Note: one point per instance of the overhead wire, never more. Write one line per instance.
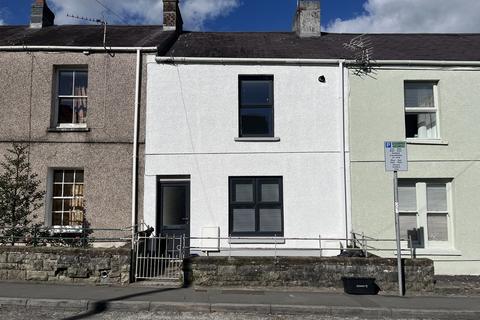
(114, 13)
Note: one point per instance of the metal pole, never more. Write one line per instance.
(397, 233)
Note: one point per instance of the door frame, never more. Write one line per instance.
(159, 218)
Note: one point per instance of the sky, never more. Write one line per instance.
(354, 16)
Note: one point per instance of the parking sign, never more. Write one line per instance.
(396, 156)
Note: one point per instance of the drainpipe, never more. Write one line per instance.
(345, 165)
(135, 145)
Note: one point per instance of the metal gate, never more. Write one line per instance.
(159, 258)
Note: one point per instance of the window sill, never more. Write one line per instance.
(66, 229)
(69, 129)
(257, 139)
(427, 141)
(259, 240)
(438, 252)
(422, 252)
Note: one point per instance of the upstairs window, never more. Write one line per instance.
(421, 110)
(71, 110)
(256, 206)
(67, 198)
(256, 106)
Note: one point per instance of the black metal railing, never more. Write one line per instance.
(66, 236)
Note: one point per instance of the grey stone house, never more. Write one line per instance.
(75, 95)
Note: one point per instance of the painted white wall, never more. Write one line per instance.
(192, 121)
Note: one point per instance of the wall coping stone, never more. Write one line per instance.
(68, 250)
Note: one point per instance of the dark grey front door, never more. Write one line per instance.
(174, 208)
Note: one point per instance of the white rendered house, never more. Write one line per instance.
(247, 143)
(273, 170)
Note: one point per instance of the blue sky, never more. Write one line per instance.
(250, 15)
(277, 15)
(269, 15)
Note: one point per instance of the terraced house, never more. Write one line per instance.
(76, 95)
(423, 89)
(249, 143)
(245, 140)
(249, 138)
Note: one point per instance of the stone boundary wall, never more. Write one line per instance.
(307, 272)
(65, 265)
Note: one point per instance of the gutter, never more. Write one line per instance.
(195, 60)
(204, 60)
(68, 48)
(422, 63)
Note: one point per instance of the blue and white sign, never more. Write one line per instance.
(396, 158)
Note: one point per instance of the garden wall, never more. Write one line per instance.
(66, 265)
(307, 272)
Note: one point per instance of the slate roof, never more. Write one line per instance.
(84, 35)
(390, 46)
(459, 47)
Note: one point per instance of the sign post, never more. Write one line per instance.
(396, 160)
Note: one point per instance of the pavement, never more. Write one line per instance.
(98, 299)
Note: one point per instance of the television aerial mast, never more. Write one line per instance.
(362, 49)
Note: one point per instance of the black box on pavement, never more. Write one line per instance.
(358, 285)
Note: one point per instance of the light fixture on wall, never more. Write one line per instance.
(322, 79)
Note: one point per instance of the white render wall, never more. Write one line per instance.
(192, 120)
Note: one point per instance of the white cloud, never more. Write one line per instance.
(413, 16)
(194, 12)
(2, 13)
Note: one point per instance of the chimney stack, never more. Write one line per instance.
(307, 19)
(172, 19)
(41, 16)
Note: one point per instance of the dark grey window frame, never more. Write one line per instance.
(251, 77)
(255, 204)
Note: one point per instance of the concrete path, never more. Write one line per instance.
(98, 299)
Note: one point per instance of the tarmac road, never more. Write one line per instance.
(43, 314)
(72, 302)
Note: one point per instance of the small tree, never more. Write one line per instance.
(19, 195)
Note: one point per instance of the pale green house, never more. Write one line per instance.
(423, 89)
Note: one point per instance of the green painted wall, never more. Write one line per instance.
(376, 114)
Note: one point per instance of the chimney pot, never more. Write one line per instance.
(172, 19)
(41, 15)
(307, 19)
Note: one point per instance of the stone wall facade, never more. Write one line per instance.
(66, 265)
(307, 272)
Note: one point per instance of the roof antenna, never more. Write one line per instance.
(362, 49)
(103, 22)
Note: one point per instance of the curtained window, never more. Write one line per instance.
(72, 98)
(425, 204)
(67, 198)
(421, 111)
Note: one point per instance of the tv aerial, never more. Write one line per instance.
(362, 49)
(95, 20)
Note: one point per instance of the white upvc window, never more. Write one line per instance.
(426, 204)
(71, 98)
(421, 110)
